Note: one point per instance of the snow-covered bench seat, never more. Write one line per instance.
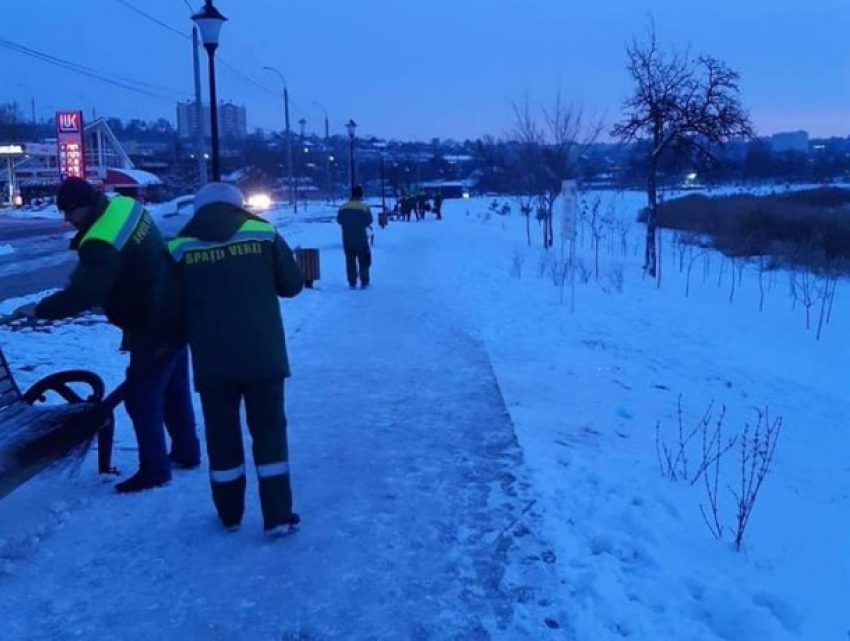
(34, 436)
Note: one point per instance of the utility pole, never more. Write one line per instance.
(292, 200)
(293, 195)
(327, 149)
(199, 111)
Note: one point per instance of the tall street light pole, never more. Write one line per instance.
(200, 151)
(383, 185)
(292, 200)
(210, 21)
(351, 126)
(32, 100)
(327, 121)
(327, 148)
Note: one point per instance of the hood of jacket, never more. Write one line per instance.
(216, 222)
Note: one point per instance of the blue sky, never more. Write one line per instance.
(441, 68)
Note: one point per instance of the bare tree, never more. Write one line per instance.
(551, 141)
(526, 207)
(678, 103)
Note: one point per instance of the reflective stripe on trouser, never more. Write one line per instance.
(267, 425)
(223, 432)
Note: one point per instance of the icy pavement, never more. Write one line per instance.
(429, 514)
(418, 519)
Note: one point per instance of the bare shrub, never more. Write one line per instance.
(756, 446)
(585, 273)
(517, 262)
(757, 452)
(617, 277)
(544, 264)
(622, 227)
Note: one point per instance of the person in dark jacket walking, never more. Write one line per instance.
(124, 267)
(438, 205)
(233, 267)
(355, 218)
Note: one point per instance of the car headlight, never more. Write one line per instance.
(259, 201)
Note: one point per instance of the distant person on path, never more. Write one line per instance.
(438, 205)
(355, 218)
(406, 208)
(124, 267)
(233, 267)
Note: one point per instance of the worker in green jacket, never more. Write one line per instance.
(233, 266)
(355, 219)
(124, 267)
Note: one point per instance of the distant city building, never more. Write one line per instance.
(790, 141)
(232, 120)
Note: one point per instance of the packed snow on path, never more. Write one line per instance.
(472, 460)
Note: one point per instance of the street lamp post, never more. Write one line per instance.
(383, 185)
(292, 200)
(327, 121)
(200, 147)
(32, 100)
(210, 21)
(351, 126)
(327, 147)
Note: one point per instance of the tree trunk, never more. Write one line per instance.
(651, 255)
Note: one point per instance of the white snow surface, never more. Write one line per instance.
(473, 461)
(6, 250)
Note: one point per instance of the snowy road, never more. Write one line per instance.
(37, 257)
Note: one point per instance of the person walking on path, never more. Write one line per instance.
(124, 267)
(233, 266)
(355, 218)
(438, 205)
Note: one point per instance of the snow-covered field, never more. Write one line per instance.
(472, 460)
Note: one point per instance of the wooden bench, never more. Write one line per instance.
(34, 436)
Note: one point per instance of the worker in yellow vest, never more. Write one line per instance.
(124, 267)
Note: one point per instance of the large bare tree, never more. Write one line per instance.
(690, 104)
(551, 140)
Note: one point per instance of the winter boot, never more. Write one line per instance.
(288, 525)
(184, 463)
(141, 481)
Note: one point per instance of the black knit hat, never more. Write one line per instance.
(75, 192)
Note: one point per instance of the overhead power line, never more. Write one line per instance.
(222, 61)
(129, 84)
(154, 19)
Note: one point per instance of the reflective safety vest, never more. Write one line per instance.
(117, 224)
(256, 230)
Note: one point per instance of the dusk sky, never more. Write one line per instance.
(423, 69)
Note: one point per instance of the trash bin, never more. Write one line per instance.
(383, 219)
(308, 263)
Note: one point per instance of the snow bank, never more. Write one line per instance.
(591, 395)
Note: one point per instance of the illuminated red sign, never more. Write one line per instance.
(69, 135)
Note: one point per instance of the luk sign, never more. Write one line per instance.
(69, 135)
